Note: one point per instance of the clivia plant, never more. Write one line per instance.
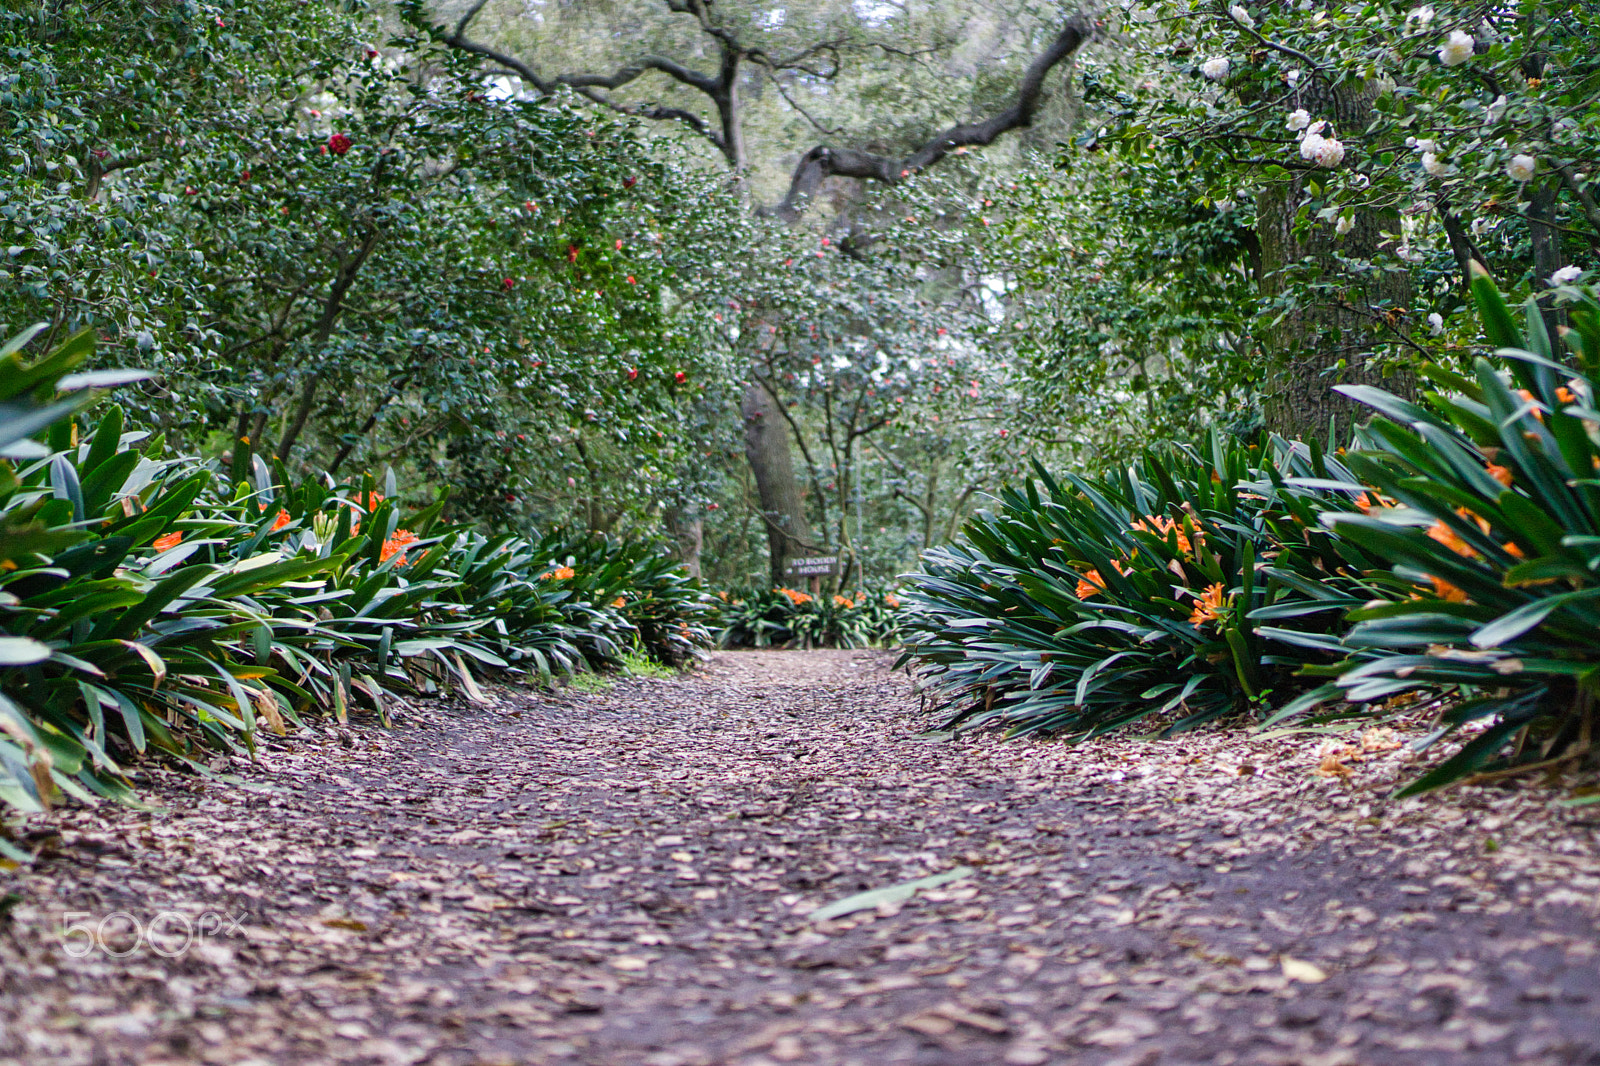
(1487, 504)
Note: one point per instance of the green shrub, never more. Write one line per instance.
(1110, 600)
(1493, 518)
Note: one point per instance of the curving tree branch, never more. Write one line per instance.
(823, 162)
(721, 90)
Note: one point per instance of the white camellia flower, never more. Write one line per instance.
(1521, 168)
(1293, 78)
(1457, 49)
(1435, 323)
(1215, 69)
(1299, 119)
(1241, 16)
(1566, 275)
(1345, 224)
(1420, 16)
(1432, 165)
(1320, 150)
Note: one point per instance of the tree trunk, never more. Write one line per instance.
(688, 532)
(783, 512)
(1305, 350)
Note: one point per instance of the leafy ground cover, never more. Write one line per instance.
(1447, 557)
(152, 602)
(548, 877)
(786, 617)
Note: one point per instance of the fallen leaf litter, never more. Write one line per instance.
(641, 876)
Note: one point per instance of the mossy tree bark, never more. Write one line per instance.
(1331, 339)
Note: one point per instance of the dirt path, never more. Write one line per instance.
(625, 879)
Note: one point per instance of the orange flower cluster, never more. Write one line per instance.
(891, 600)
(280, 520)
(1208, 606)
(170, 540)
(560, 573)
(796, 597)
(1164, 527)
(843, 601)
(402, 539)
(1092, 584)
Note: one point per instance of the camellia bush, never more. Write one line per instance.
(151, 602)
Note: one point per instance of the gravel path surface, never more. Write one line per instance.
(629, 878)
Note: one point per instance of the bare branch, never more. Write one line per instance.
(823, 162)
(586, 85)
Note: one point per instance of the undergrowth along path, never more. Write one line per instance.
(628, 878)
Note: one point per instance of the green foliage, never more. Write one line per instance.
(1105, 601)
(1494, 513)
(324, 235)
(783, 617)
(149, 601)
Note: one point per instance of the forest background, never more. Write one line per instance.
(775, 279)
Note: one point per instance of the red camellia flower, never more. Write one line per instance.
(788, 262)
(531, 206)
(189, 190)
(631, 281)
(629, 182)
(633, 373)
(680, 377)
(619, 244)
(940, 331)
(826, 242)
(339, 144)
(572, 253)
(245, 176)
(372, 53)
(509, 283)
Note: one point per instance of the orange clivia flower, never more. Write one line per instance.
(619, 602)
(1510, 548)
(1501, 474)
(891, 600)
(724, 595)
(1163, 527)
(170, 540)
(1450, 539)
(1091, 584)
(843, 601)
(1446, 591)
(402, 539)
(369, 500)
(1528, 397)
(1208, 606)
(280, 520)
(796, 597)
(1565, 395)
(560, 573)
